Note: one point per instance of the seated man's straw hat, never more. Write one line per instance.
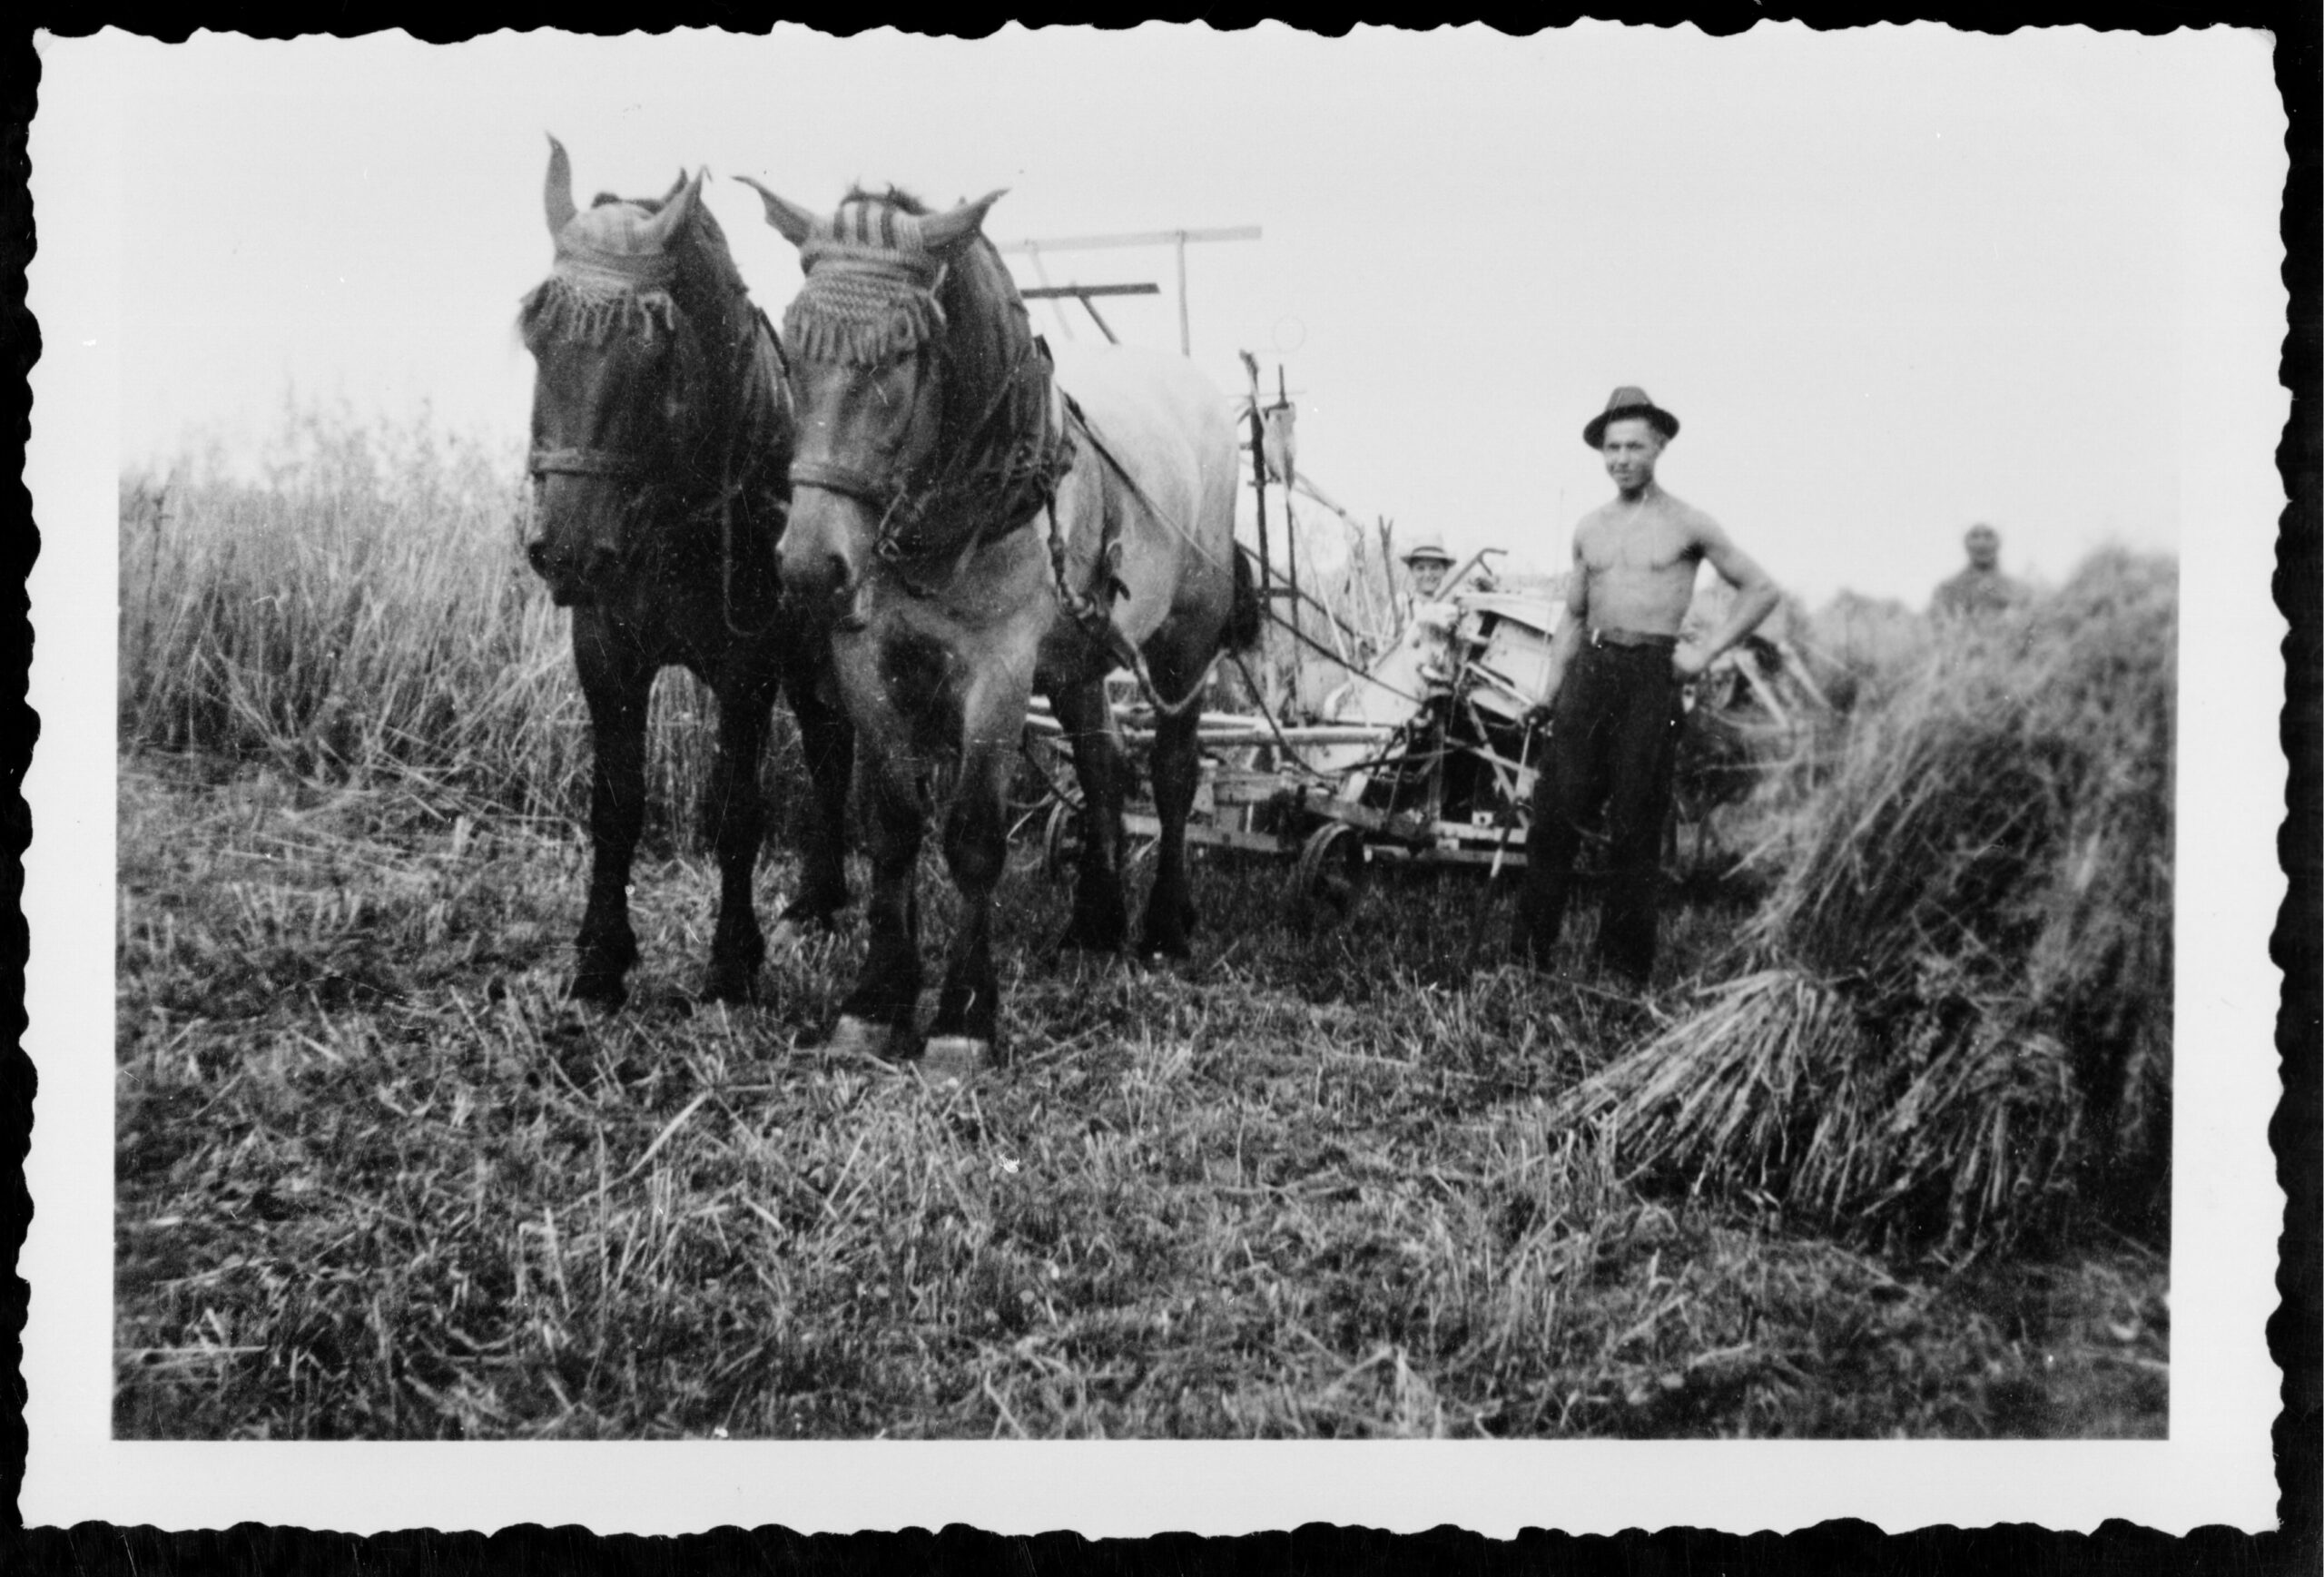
(1428, 545)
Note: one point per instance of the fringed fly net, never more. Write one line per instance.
(870, 296)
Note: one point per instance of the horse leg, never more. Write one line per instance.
(976, 847)
(1100, 921)
(1177, 769)
(616, 680)
(736, 947)
(828, 742)
(877, 1016)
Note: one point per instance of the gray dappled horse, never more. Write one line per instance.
(661, 452)
(974, 529)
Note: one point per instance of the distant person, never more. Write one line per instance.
(1423, 616)
(1612, 689)
(1981, 589)
(1427, 563)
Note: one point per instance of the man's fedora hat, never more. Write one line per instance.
(1629, 401)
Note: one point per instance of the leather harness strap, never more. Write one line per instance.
(585, 462)
(831, 476)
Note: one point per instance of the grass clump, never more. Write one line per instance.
(1953, 1009)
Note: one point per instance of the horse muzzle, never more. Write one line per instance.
(821, 567)
(574, 580)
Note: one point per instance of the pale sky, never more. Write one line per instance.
(1892, 281)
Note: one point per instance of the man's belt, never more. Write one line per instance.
(1633, 638)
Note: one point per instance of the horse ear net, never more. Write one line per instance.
(676, 209)
(944, 232)
(795, 223)
(556, 189)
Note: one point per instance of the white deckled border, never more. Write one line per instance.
(2215, 1468)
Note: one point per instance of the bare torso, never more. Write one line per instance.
(1637, 561)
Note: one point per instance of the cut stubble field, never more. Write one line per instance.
(376, 1178)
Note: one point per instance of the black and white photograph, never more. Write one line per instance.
(1405, 779)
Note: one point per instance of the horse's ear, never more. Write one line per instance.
(556, 191)
(672, 194)
(794, 222)
(943, 232)
(676, 209)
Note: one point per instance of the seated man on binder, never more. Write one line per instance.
(1612, 689)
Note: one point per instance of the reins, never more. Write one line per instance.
(756, 331)
(1085, 609)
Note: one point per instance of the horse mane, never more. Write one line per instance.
(988, 334)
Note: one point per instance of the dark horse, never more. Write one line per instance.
(974, 529)
(661, 451)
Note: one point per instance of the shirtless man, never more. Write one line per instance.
(1611, 692)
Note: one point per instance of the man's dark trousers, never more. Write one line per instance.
(1613, 736)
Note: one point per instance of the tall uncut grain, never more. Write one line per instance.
(362, 612)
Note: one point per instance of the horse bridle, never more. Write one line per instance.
(898, 501)
(883, 494)
(630, 467)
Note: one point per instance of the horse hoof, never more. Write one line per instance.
(854, 1037)
(735, 986)
(606, 991)
(954, 1059)
(1077, 941)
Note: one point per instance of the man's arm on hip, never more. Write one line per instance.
(1756, 595)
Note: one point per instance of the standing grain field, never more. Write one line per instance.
(364, 614)
(376, 1178)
